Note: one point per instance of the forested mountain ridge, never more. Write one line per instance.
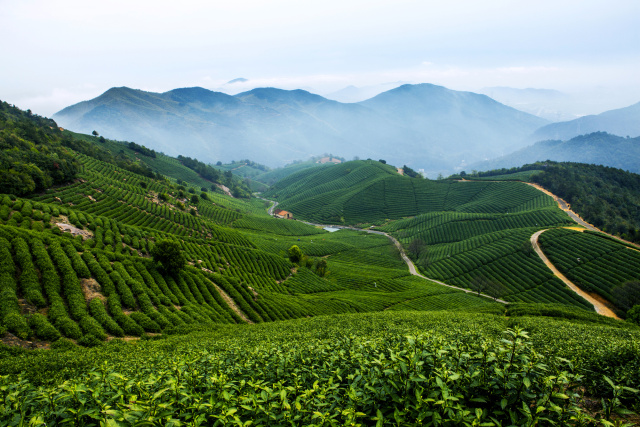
(597, 148)
(279, 126)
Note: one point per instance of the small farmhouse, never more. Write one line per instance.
(283, 214)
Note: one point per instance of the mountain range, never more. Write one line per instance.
(621, 121)
(598, 148)
(425, 126)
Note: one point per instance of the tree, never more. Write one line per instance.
(479, 284)
(195, 199)
(416, 247)
(295, 254)
(95, 133)
(321, 267)
(168, 256)
(633, 315)
(384, 162)
(495, 290)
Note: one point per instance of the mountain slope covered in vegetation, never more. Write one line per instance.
(197, 307)
(279, 126)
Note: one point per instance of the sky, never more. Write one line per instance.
(57, 53)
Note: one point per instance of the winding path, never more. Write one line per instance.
(565, 207)
(405, 258)
(598, 303)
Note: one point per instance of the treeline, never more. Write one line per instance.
(507, 171)
(410, 172)
(237, 188)
(142, 149)
(606, 197)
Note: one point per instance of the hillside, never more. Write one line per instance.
(472, 234)
(396, 363)
(598, 148)
(605, 197)
(78, 256)
(279, 126)
(142, 282)
(622, 121)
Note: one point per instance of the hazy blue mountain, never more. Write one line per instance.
(546, 103)
(623, 121)
(423, 126)
(598, 148)
(460, 126)
(356, 94)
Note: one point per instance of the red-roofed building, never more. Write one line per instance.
(283, 214)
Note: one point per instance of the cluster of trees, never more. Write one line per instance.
(32, 156)
(296, 256)
(506, 171)
(204, 170)
(35, 154)
(251, 164)
(627, 298)
(141, 149)
(482, 285)
(410, 172)
(238, 188)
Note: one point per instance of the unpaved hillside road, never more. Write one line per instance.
(600, 307)
(406, 259)
(565, 207)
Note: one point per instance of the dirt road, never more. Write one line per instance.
(600, 307)
(406, 259)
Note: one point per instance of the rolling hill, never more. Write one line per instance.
(125, 299)
(277, 127)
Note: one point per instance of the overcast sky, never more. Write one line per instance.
(56, 53)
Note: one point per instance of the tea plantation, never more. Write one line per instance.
(99, 329)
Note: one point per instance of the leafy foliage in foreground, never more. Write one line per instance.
(383, 369)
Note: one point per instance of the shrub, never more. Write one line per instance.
(42, 328)
(17, 325)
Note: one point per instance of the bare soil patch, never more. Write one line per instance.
(92, 289)
(26, 307)
(13, 341)
(232, 304)
(225, 189)
(74, 230)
